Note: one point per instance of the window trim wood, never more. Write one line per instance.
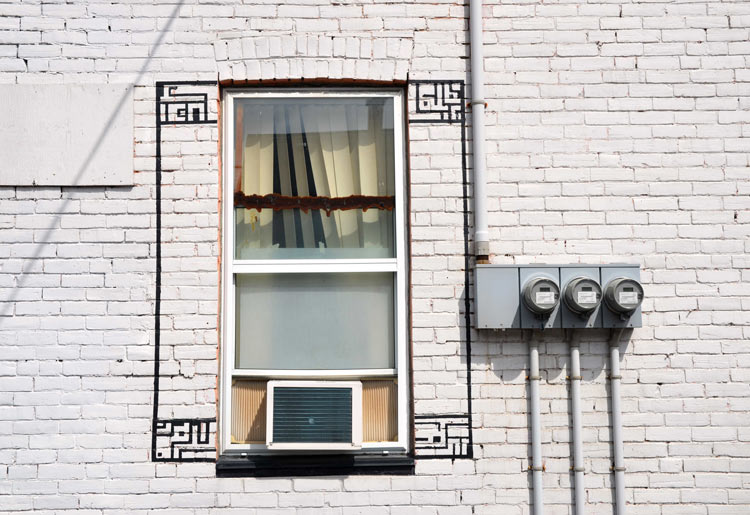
(232, 266)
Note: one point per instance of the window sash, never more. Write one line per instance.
(349, 373)
(315, 266)
(315, 177)
(232, 266)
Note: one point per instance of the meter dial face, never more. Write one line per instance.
(582, 295)
(541, 295)
(623, 295)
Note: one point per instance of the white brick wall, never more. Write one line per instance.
(616, 132)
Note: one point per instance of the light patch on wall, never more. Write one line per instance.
(66, 135)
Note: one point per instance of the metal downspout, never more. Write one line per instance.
(481, 233)
(575, 408)
(536, 429)
(617, 447)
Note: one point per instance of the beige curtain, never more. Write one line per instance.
(332, 150)
(257, 170)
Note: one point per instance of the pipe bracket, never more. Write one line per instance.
(615, 376)
(618, 469)
(578, 469)
(534, 378)
(575, 378)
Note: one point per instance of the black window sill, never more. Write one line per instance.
(236, 465)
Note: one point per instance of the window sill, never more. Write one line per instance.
(233, 464)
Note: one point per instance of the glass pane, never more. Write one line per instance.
(249, 236)
(331, 321)
(313, 173)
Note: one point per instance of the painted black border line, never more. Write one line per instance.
(444, 117)
(155, 422)
(442, 90)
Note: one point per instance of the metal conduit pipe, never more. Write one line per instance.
(575, 408)
(536, 430)
(617, 449)
(481, 232)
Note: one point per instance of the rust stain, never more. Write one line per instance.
(278, 202)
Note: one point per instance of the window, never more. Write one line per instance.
(314, 272)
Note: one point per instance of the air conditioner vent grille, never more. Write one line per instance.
(312, 415)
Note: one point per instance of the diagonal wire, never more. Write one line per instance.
(22, 278)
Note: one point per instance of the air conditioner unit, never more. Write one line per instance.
(315, 415)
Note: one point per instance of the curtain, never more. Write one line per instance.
(321, 151)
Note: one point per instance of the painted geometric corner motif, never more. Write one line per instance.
(177, 439)
(185, 440)
(446, 435)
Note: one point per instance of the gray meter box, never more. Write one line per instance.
(610, 318)
(571, 319)
(530, 320)
(499, 307)
(499, 300)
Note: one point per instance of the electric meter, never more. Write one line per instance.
(547, 296)
(623, 295)
(541, 295)
(582, 295)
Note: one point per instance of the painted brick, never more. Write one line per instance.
(616, 132)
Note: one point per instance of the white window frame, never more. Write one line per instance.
(232, 266)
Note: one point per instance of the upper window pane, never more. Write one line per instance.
(314, 178)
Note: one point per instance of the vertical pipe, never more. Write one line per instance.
(536, 429)
(575, 408)
(481, 233)
(619, 462)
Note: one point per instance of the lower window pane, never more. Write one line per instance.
(328, 321)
